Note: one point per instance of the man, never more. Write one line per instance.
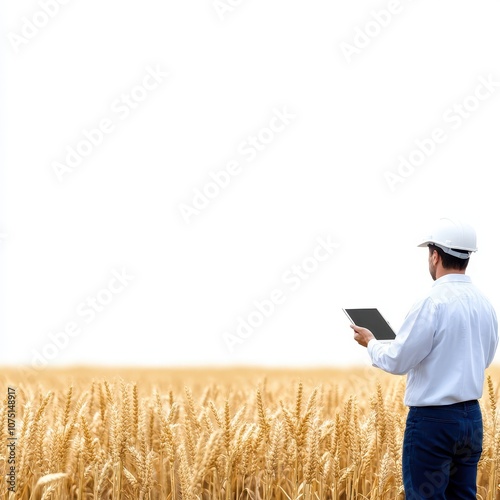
(445, 344)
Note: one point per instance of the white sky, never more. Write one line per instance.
(347, 114)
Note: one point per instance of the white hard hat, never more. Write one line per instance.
(451, 235)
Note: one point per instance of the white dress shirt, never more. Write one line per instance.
(446, 342)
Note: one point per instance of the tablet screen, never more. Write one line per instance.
(373, 320)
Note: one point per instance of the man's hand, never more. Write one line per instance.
(362, 335)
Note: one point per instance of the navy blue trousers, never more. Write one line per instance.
(441, 448)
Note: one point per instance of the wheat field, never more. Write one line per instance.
(242, 433)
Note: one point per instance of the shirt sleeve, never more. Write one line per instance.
(413, 341)
(493, 339)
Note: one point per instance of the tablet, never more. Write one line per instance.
(374, 321)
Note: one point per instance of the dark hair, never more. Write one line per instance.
(449, 261)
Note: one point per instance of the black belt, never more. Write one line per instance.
(471, 402)
(467, 404)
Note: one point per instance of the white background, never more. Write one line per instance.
(323, 175)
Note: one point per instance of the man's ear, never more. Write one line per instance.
(435, 257)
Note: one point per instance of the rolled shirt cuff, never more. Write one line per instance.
(370, 346)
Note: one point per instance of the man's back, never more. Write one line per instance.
(463, 345)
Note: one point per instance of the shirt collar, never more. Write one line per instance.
(448, 278)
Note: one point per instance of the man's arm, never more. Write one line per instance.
(493, 339)
(412, 344)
